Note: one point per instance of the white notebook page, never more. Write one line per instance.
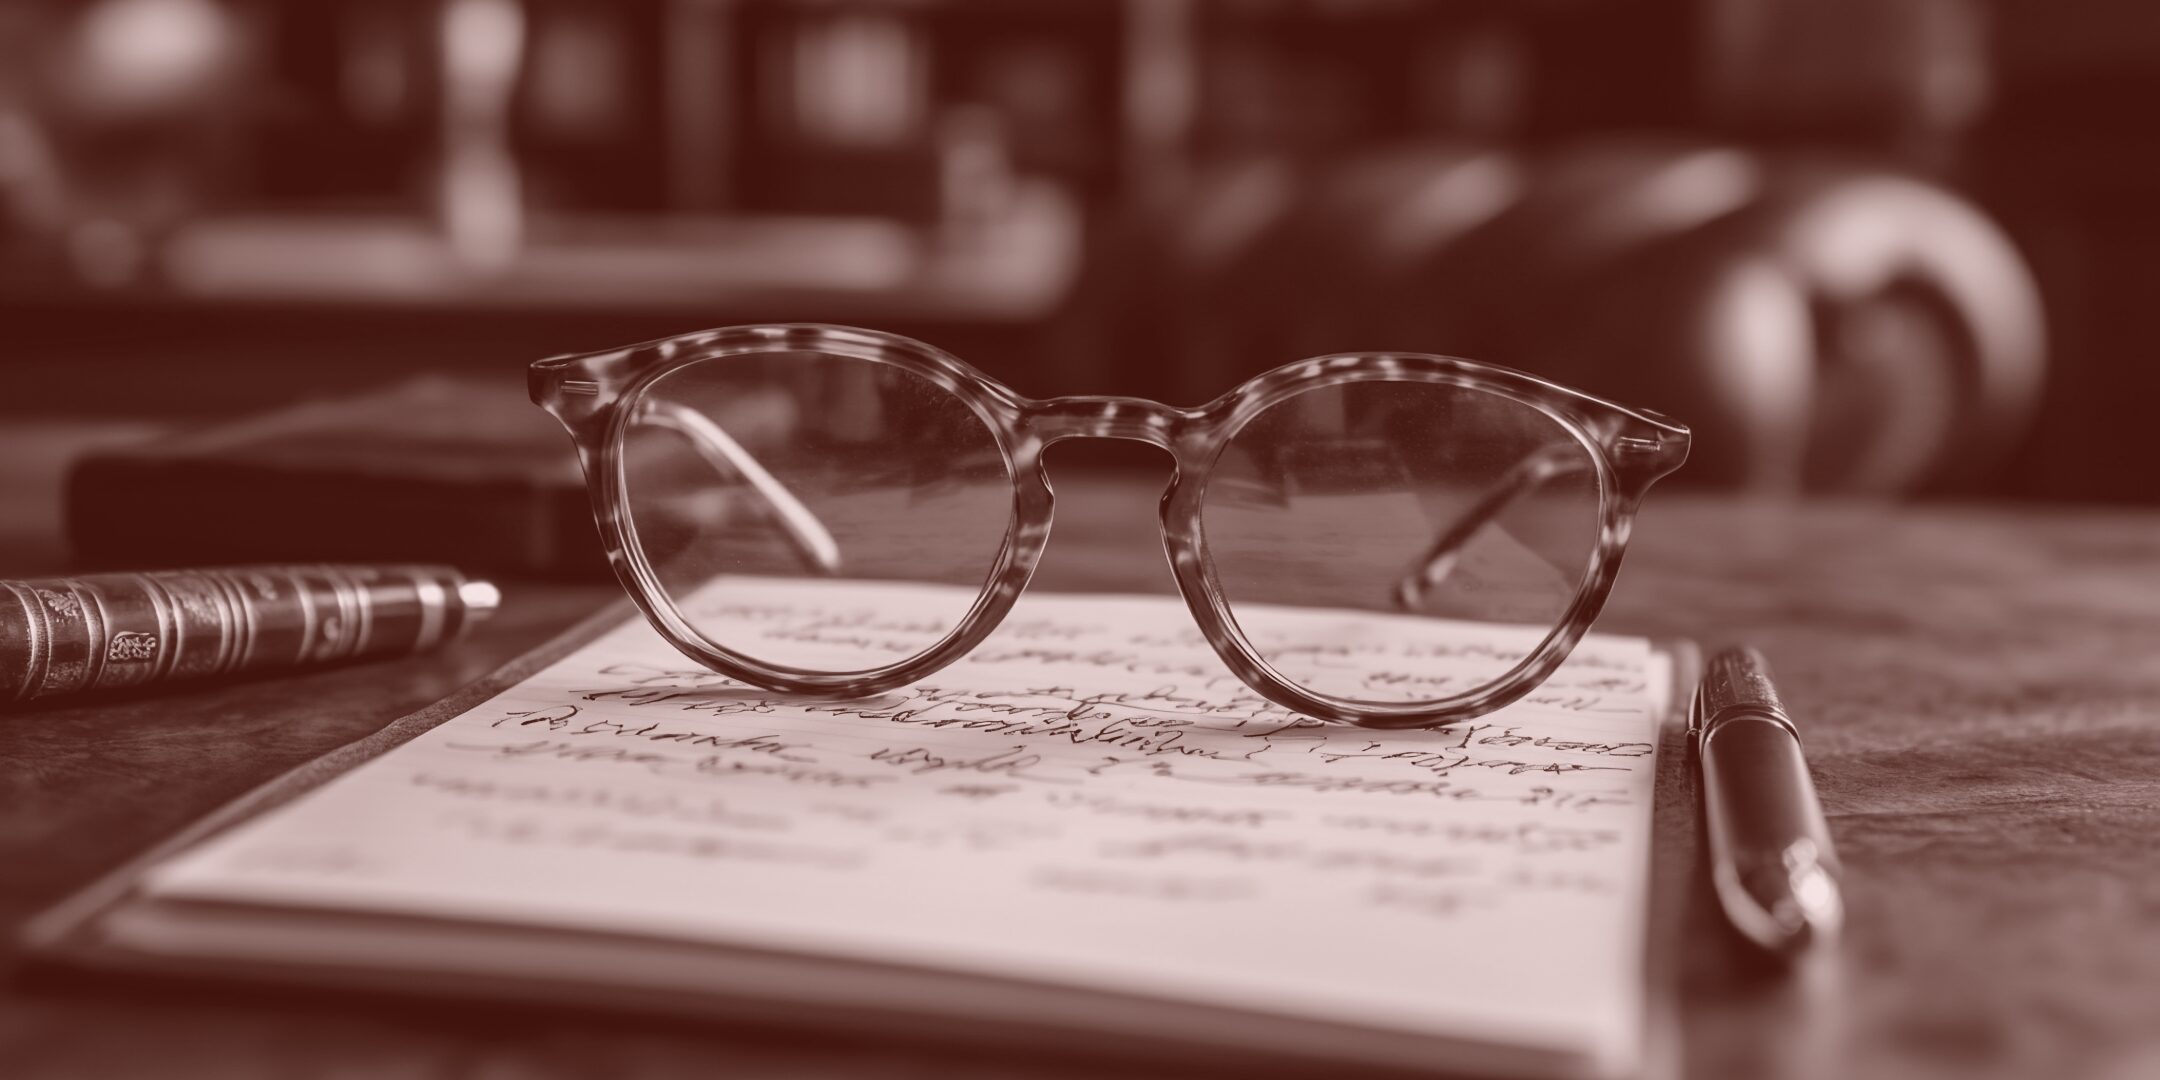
(1089, 799)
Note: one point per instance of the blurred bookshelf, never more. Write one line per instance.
(660, 152)
(642, 155)
(216, 205)
(397, 173)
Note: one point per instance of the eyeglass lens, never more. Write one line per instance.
(871, 472)
(1437, 500)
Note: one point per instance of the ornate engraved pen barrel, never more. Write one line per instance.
(106, 631)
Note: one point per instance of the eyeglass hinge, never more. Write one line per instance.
(581, 387)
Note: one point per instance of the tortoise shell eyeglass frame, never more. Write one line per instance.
(600, 396)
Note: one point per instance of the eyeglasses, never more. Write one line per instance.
(1427, 486)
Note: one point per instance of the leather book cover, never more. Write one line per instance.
(434, 469)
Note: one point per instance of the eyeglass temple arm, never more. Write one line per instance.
(1522, 478)
(811, 540)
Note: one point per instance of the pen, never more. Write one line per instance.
(106, 631)
(1771, 861)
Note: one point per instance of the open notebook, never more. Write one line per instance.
(1087, 828)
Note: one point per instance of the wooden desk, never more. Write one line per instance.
(1980, 690)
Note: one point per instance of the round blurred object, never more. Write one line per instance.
(1827, 325)
(129, 59)
(1927, 314)
(1846, 329)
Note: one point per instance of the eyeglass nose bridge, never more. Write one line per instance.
(1103, 417)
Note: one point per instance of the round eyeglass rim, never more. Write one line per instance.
(596, 395)
(1522, 678)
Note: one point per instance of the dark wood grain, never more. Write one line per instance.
(1979, 689)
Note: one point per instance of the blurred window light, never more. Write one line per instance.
(1241, 206)
(580, 74)
(482, 202)
(376, 73)
(1474, 81)
(860, 79)
(1683, 192)
(482, 43)
(1702, 186)
(32, 190)
(483, 210)
(142, 55)
(1451, 204)
(1160, 93)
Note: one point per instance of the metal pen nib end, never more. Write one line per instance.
(1813, 906)
(479, 598)
(1788, 905)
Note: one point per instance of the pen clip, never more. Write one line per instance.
(1694, 714)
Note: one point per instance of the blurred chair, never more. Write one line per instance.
(1827, 325)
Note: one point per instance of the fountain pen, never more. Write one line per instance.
(109, 631)
(1775, 873)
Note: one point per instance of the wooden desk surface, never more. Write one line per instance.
(1979, 688)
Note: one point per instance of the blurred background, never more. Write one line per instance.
(1891, 247)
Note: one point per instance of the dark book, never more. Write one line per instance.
(431, 470)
